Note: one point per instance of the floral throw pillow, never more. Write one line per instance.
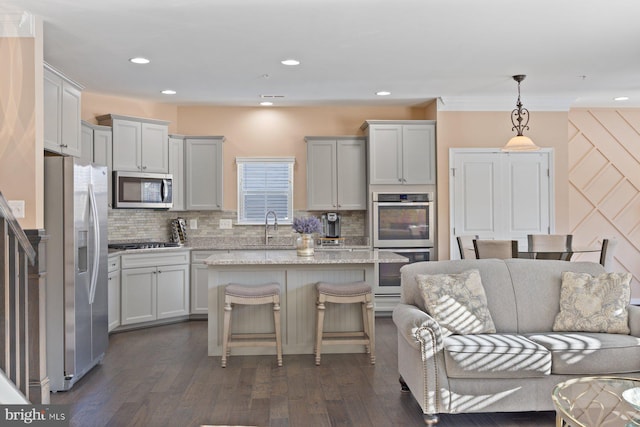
(594, 303)
(457, 302)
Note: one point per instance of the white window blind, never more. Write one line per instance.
(265, 184)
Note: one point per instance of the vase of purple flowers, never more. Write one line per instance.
(306, 226)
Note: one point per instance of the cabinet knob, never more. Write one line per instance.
(144, 167)
(63, 145)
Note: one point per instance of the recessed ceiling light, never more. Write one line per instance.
(621, 98)
(139, 60)
(169, 92)
(290, 61)
(383, 93)
(266, 103)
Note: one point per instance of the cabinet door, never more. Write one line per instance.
(103, 155)
(322, 175)
(155, 148)
(87, 143)
(127, 146)
(70, 131)
(173, 291)
(102, 149)
(176, 168)
(199, 289)
(138, 295)
(476, 194)
(385, 159)
(500, 195)
(204, 174)
(114, 299)
(418, 154)
(352, 175)
(52, 100)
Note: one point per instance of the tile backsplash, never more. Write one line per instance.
(147, 224)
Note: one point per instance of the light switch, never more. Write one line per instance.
(193, 224)
(17, 207)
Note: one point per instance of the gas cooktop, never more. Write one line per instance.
(143, 245)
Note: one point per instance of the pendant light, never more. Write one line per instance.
(520, 115)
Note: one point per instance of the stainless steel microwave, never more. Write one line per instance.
(142, 190)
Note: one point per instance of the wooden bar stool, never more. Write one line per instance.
(251, 295)
(346, 293)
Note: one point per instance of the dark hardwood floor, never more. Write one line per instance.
(163, 377)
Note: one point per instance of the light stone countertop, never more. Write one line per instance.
(287, 257)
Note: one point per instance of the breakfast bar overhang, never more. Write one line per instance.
(297, 277)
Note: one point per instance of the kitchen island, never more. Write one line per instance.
(297, 277)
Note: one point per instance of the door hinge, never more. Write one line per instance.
(548, 173)
(453, 171)
(454, 231)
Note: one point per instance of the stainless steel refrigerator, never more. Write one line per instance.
(75, 219)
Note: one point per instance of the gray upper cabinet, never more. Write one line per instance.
(401, 152)
(203, 172)
(177, 170)
(139, 145)
(61, 104)
(336, 173)
(97, 148)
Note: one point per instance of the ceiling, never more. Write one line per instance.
(462, 52)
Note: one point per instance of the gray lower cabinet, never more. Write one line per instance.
(336, 173)
(154, 286)
(61, 105)
(203, 172)
(401, 152)
(113, 291)
(199, 282)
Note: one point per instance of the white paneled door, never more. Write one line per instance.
(500, 195)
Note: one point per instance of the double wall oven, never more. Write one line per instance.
(402, 223)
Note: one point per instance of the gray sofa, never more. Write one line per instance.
(516, 368)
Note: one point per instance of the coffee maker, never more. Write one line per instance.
(331, 225)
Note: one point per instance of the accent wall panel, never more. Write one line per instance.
(604, 184)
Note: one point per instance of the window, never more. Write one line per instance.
(265, 184)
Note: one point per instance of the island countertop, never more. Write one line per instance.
(287, 257)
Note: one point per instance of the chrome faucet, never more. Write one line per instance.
(266, 225)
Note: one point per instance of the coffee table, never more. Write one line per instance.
(595, 402)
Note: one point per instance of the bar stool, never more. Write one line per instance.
(251, 295)
(346, 293)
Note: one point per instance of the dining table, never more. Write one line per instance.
(567, 253)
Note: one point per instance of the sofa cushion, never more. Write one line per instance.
(594, 303)
(495, 356)
(586, 353)
(457, 302)
(536, 284)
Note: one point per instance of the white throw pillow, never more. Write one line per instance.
(594, 303)
(457, 302)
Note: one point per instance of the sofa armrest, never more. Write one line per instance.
(419, 329)
(634, 319)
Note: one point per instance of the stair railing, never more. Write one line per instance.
(15, 253)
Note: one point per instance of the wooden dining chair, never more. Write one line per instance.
(465, 245)
(550, 246)
(607, 251)
(501, 249)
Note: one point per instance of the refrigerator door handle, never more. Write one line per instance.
(96, 244)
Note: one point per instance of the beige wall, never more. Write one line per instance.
(493, 129)
(21, 140)
(279, 132)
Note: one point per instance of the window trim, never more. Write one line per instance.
(244, 160)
